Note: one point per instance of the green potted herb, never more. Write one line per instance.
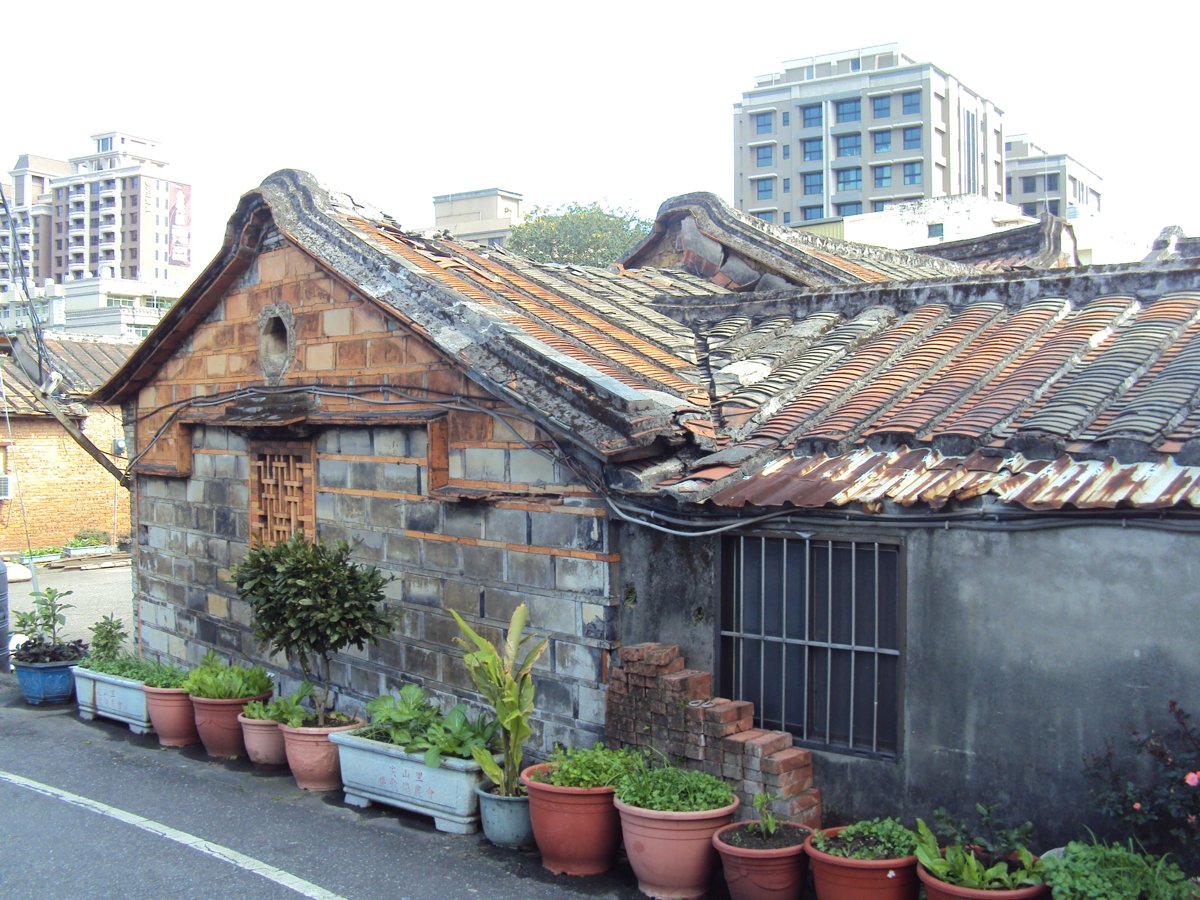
(308, 601)
(966, 870)
(219, 691)
(575, 824)
(668, 818)
(168, 705)
(504, 676)
(44, 659)
(765, 857)
(413, 756)
(260, 725)
(875, 855)
(109, 683)
(1086, 870)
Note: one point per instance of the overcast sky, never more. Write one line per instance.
(622, 102)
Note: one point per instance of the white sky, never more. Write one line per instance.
(626, 103)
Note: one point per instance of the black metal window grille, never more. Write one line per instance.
(810, 633)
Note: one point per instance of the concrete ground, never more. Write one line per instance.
(96, 592)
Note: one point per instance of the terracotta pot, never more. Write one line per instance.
(218, 726)
(264, 741)
(671, 852)
(754, 874)
(577, 830)
(841, 878)
(172, 716)
(940, 890)
(312, 758)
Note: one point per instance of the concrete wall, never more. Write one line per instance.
(1026, 651)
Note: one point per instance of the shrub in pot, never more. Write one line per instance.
(668, 818)
(1086, 870)
(504, 676)
(43, 660)
(308, 601)
(260, 725)
(575, 824)
(168, 705)
(966, 870)
(875, 857)
(219, 692)
(763, 858)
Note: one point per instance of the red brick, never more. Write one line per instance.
(805, 808)
(663, 654)
(722, 711)
(690, 683)
(786, 760)
(637, 652)
(768, 742)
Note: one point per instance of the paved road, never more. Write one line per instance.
(90, 810)
(96, 593)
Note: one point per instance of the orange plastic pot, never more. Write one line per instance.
(671, 852)
(172, 716)
(264, 741)
(940, 890)
(763, 874)
(313, 758)
(218, 725)
(842, 878)
(578, 830)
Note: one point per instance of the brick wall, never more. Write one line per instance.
(655, 701)
(62, 489)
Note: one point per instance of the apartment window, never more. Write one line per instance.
(1029, 209)
(936, 230)
(849, 179)
(787, 185)
(912, 138)
(762, 123)
(764, 156)
(809, 213)
(1028, 184)
(812, 149)
(787, 119)
(767, 215)
(811, 115)
(881, 107)
(883, 141)
(883, 176)
(787, 151)
(764, 188)
(912, 173)
(849, 209)
(787, 218)
(847, 110)
(1053, 206)
(910, 103)
(849, 144)
(814, 183)
(878, 205)
(811, 635)
(1008, 186)
(1052, 181)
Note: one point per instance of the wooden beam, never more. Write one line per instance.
(80, 438)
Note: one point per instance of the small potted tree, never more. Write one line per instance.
(44, 659)
(668, 818)
(571, 809)
(763, 858)
(308, 601)
(875, 857)
(504, 676)
(108, 683)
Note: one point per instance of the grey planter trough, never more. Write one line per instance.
(110, 697)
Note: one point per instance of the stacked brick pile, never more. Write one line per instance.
(655, 701)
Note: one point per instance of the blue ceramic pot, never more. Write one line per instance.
(45, 682)
(505, 820)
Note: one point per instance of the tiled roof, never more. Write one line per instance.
(1048, 244)
(17, 397)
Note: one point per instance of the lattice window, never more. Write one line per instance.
(281, 491)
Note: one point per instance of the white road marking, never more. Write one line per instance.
(217, 851)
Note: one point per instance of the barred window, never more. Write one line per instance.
(811, 634)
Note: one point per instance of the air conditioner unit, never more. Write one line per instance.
(8, 487)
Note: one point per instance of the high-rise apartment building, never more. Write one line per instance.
(113, 212)
(847, 133)
(1054, 183)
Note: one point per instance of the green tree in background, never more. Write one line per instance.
(577, 234)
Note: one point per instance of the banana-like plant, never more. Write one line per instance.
(505, 679)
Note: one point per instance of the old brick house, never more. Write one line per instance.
(52, 488)
(911, 513)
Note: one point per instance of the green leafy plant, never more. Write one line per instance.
(415, 725)
(577, 234)
(41, 627)
(505, 679)
(590, 767)
(985, 837)
(767, 823)
(958, 864)
(163, 675)
(122, 666)
(108, 635)
(308, 601)
(89, 537)
(1154, 797)
(217, 680)
(1086, 871)
(289, 710)
(879, 838)
(671, 789)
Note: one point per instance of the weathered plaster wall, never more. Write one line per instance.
(1025, 652)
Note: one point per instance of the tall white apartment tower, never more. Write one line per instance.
(846, 133)
(114, 212)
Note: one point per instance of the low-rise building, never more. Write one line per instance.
(484, 217)
(1048, 183)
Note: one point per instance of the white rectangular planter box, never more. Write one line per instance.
(98, 550)
(111, 697)
(374, 771)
